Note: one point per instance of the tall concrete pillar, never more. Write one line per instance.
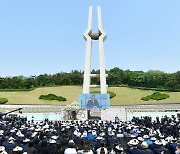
(101, 37)
(87, 67)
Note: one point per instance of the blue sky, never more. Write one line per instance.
(43, 36)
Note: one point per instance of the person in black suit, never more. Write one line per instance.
(92, 102)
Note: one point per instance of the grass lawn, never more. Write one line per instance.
(124, 96)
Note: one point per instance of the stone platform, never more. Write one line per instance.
(123, 112)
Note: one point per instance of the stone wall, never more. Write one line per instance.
(123, 112)
(111, 113)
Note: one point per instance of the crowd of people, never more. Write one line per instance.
(138, 136)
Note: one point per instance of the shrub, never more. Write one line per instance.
(3, 100)
(112, 94)
(52, 97)
(155, 96)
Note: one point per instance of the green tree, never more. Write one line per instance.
(115, 76)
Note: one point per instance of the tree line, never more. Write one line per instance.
(116, 77)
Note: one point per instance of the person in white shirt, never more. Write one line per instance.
(71, 149)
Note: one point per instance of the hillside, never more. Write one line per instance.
(124, 96)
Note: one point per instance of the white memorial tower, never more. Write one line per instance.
(101, 37)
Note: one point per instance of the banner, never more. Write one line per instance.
(90, 101)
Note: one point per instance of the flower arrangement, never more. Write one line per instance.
(73, 107)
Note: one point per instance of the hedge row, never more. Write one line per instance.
(112, 94)
(52, 97)
(3, 100)
(155, 96)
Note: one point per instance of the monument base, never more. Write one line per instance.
(94, 114)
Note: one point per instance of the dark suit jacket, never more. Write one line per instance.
(147, 151)
(92, 103)
(135, 151)
(78, 141)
